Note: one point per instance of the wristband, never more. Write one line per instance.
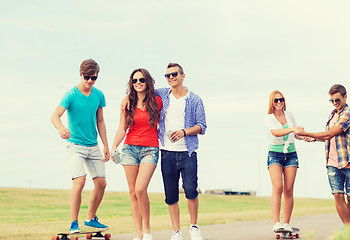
(184, 132)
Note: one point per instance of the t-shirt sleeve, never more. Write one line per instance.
(102, 100)
(344, 120)
(65, 101)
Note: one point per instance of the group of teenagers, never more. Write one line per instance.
(173, 116)
(282, 160)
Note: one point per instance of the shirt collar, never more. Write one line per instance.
(187, 95)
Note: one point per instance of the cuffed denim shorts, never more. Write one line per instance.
(339, 180)
(135, 155)
(176, 163)
(283, 159)
(91, 156)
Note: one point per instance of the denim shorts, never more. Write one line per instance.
(135, 155)
(173, 164)
(91, 156)
(283, 159)
(339, 180)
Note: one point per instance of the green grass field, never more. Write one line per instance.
(40, 213)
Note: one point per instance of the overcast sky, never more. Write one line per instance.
(234, 53)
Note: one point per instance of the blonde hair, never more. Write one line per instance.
(272, 99)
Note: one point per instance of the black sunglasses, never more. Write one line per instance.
(174, 74)
(93, 78)
(337, 100)
(142, 80)
(278, 99)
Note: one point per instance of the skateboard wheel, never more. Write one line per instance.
(108, 236)
(89, 236)
(297, 235)
(277, 236)
(55, 237)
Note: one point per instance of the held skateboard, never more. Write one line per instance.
(281, 233)
(88, 234)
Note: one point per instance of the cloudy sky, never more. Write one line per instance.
(234, 54)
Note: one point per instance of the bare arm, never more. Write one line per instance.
(119, 136)
(322, 136)
(178, 134)
(283, 132)
(101, 126)
(56, 120)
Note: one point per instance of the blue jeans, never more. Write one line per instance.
(173, 164)
(282, 159)
(339, 179)
(135, 155)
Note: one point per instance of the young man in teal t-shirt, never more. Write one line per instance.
(84, 105)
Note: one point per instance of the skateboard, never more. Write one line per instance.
(88, 234)
(287, 234)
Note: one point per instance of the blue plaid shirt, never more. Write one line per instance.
(194, 115)
(342, 140)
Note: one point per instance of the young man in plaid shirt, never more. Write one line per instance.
(337, 139)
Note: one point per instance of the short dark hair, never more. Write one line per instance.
(89, 67)
(170, 65)
(337, 88)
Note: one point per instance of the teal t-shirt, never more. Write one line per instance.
(82, 112)
(279, 148)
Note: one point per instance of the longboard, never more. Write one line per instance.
(88, 234)
(287, 234)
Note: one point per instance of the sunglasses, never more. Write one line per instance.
(93, 78)
(337, 100)
(142, 80)
(278, 99)
(173, 74)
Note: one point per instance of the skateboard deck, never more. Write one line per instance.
(287, 234)
(89, 234)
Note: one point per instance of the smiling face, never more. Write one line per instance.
(138, 85)
(175, 81)
(278, 102)
(338, 101)
(89, 82)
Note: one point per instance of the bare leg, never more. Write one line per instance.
(193, 205)
(174, 212)
(144, 176)
(75, 197)
(96, 196)
(288, 186)
(342, 208)
(131, 173)
(276, 172)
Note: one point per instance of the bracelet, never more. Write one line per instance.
(184, 132)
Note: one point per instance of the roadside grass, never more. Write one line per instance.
(41, 213)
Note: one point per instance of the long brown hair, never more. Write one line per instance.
(149, 101)
(272, 98)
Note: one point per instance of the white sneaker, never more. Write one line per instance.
(177, 236)
(147, 236)
(287, 227)
(195, 233)
(277, 226)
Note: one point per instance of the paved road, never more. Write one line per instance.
(319, 226)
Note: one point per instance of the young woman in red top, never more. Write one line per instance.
(141, 148)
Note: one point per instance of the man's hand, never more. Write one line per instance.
(298, 130)
(64, 133)
(177, 135)
(107, 154)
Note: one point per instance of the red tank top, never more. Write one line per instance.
(141, 134)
